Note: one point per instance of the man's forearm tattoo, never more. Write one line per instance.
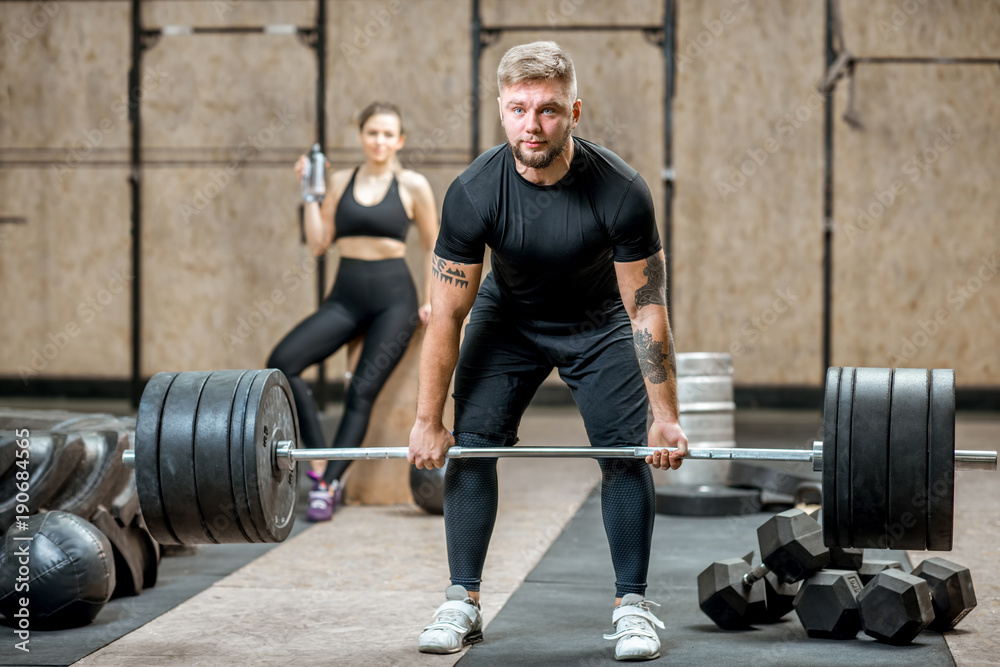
(651, 357)
(441, 270)
(655, 289)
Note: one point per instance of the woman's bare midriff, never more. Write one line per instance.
(370, 248)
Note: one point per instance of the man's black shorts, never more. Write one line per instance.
(504, 359)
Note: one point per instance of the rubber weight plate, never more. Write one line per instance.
(147, 457)
(180, 497)
(845, 405)
(870, 456)
(831, 398)
(906, 526)
(271, 491)
(941, 461)
(706, 500)
(212, 467)
(236, 459)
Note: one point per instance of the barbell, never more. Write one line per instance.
(215, 455)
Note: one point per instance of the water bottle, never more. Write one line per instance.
(314, 176)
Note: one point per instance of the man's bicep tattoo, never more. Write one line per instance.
(449, 273)
(655, 289)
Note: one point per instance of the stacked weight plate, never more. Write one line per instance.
(205, 464)
(888, 458)
(705, 395)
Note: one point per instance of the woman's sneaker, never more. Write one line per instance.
(322, 499)
(457, 622)
(637, 640)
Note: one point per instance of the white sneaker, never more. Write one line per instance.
(637, 640)
(457, 622)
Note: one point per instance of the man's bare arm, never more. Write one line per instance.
(453, 290)
(643, 286)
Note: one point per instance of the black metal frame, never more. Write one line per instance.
(143, 39)
(831, 56)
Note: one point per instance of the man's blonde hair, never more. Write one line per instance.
(537, 61)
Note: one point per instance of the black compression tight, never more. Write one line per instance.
(373, 298)
(470, 509)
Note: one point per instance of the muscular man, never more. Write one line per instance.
(579, 284)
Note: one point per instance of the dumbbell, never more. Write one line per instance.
(893, 607)
(734, 596)
(952, 592)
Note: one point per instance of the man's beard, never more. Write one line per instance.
(535, 161)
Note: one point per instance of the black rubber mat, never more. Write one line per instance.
(559, 614)
(179, 579)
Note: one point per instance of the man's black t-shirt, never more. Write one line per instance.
(554, 246)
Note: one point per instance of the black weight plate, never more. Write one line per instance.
(775, 479)
(212, 470)
(128, 559)
(906, 526)
(706, 500)
(271, 491)
(831, 397)
(147, 457)
(941, 461)
(236, 460)
(870, 457)
(180, 498)
(845, 404)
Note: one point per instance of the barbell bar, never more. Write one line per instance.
(215, 454)
(287, 455)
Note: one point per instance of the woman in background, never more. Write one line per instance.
(367, 212)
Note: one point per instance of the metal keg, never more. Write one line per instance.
(705, 397)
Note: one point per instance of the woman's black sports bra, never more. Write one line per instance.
(386, 219)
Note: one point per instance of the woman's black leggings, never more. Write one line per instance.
(374, 298)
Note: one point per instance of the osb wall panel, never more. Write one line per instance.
(65, 275)
(916, 280)
(415, 56)
(225, 267)
(748, 240)
(571, 12)
(620, 82)
(221, 284)
(64, 77)
(934, 28)
(255, 93)
(218, 13)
